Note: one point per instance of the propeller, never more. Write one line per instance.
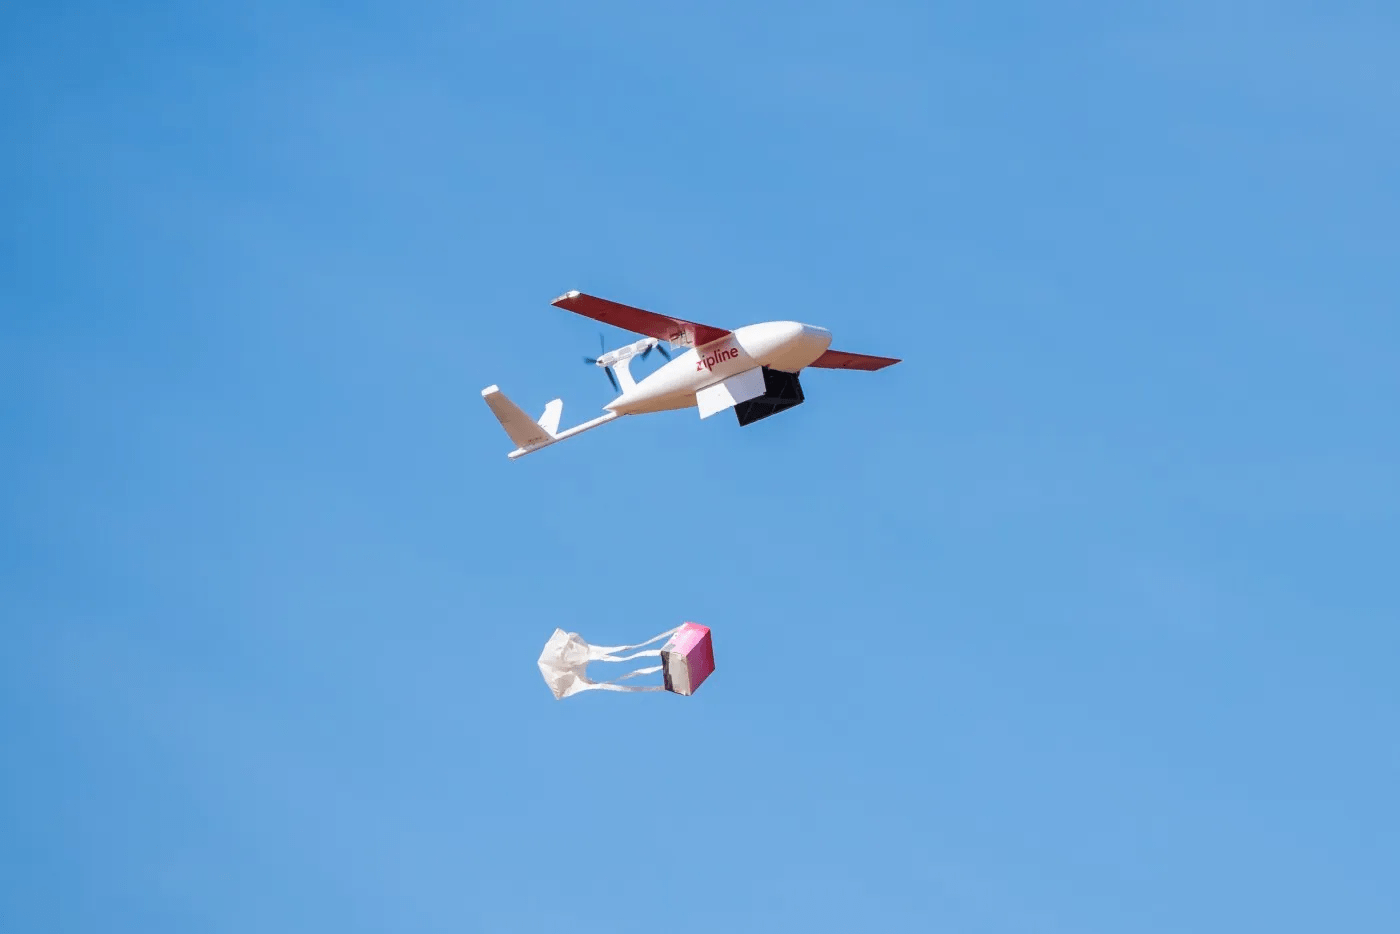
(602, 349)
(593, 361)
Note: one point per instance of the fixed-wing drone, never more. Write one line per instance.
(752, 369)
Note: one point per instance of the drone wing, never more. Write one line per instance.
(676, 331)
(840, 360)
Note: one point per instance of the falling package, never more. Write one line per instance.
(687, 659)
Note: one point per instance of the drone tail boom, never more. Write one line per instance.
(529, 434)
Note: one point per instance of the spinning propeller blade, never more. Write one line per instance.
(593, 361)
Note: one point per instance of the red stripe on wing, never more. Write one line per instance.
(840, 360)
(661, 327)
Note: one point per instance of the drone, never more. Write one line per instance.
(752, 370)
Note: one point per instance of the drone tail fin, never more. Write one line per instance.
(529, 434)
(549, 421)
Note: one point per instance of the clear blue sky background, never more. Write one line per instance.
(1082, 619)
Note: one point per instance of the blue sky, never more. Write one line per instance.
(1080, 619)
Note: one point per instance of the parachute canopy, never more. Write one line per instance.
(687, 659)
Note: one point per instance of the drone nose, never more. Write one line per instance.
(815, 339)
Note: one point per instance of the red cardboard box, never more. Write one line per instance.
(687, 658)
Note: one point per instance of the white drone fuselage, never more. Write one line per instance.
(779, 345)
(712, 377)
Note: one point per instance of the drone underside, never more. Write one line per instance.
(782, 391)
